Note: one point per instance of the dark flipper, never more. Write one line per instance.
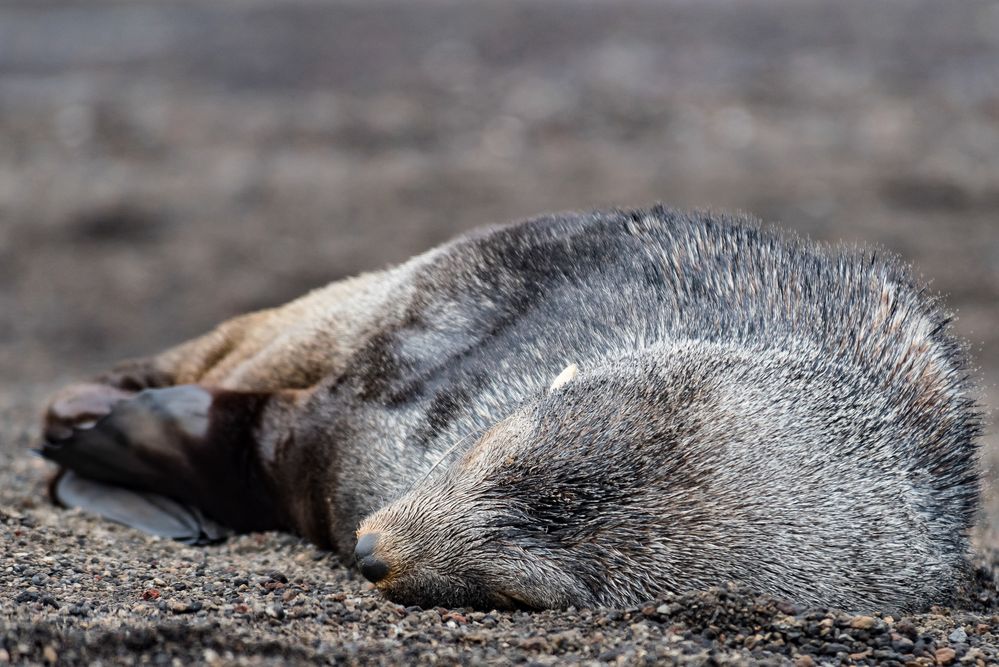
(148, 512)
(190, 446)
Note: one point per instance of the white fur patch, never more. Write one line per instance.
(564, 377)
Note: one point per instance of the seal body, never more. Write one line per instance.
(729, 404)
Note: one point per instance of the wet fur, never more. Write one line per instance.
(748, 407)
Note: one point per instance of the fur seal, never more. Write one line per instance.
(580, 409)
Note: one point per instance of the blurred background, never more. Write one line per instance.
(164, 166)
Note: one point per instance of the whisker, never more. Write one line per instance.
(446, 454)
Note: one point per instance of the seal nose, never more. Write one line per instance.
(373, 569)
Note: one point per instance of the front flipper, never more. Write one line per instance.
(193, 446)
(148, 512)
(138, 440)
(78, 406)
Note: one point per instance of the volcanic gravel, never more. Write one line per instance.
(79, 591)
(164, 165)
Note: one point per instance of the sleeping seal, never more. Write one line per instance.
(580, 409)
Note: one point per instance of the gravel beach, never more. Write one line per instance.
(165, 166)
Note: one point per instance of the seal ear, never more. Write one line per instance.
(564, 378)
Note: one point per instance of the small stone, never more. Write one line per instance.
(974, 655)
(945, 655)
(50, 655)
(804, 661)
(535, 644)
(921, 647)
(275, 611)
(456, 617)
(884, 655)
(180, 606)
(959, 636)
(834, 648)
(862, 622)
(81, 610)
(150, 594)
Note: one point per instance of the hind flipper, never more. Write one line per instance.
(148, 512)
(194, 445)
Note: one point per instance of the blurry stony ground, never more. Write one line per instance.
(166, 165)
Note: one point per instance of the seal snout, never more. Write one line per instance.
(371, 566)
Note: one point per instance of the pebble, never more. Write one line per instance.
(863, 622)
(945, 655)
(833, 648)
(183, 606)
